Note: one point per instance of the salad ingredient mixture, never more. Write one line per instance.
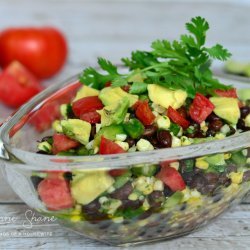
(42, 50)
(168, 98)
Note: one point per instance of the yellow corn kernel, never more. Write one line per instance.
(201, 163)
(227, 156)
(75, 218)
(236, 178)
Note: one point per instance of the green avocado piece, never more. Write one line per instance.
(112, 95)
(217, 159)
(108, 132)
(114, 113)
(226, 108)
(87, 186)
(166, 97)
(86, 91)
(77, 129)
(239, 68)
(244, 94)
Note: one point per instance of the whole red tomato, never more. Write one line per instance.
(42, 50)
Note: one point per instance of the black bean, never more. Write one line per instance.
(164, 138)
(130, 204)
(241, 124)
(156, 198)
(123, 192)
(92, 208)
(198, 182)
(167, 191)
(149, 130)
(246, 176)
(36, 180)
(130, 141)
(231, 168)
(42, 152)
(211, 177)
(92, 132)
(182, 111)
(212, 117)
(210, 133)
(199, 134)
(223, 179)
(244, 111)
(188, 177)
(232, 131)
(154, 142)
(215, 125)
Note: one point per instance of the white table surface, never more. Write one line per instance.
(112, 29)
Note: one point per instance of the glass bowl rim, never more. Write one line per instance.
(9, 153)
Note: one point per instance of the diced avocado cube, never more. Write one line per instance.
(86, 91)
(108, 132)
(66, 110)
(77, 129)
(44, 146)
(226, 108)
(217, 159)
(166, 97)
(134, 128)
(237, 68)
(88, 186)
(112, 95)
(244, 94)
(114, 113)
(56, 125)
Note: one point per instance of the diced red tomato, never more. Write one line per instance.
(144, 113)
(226, 93)
(55, 193)
(109, 147)
(177, 118)
(126, 88)
(201, 108)
(171, 178)
(107, 84)
(63, 143)
(86, 104)
(117, 172)
(91, 117)
(17, 85)
(42, 118)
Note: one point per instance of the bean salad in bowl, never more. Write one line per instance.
(188, 132)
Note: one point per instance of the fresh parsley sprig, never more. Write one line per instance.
(183, 64)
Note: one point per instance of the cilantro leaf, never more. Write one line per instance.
(218, 52)
(198, 27)
(94, 79)
(183, 64)
(139, 60)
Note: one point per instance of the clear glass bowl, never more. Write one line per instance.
(149, 216)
